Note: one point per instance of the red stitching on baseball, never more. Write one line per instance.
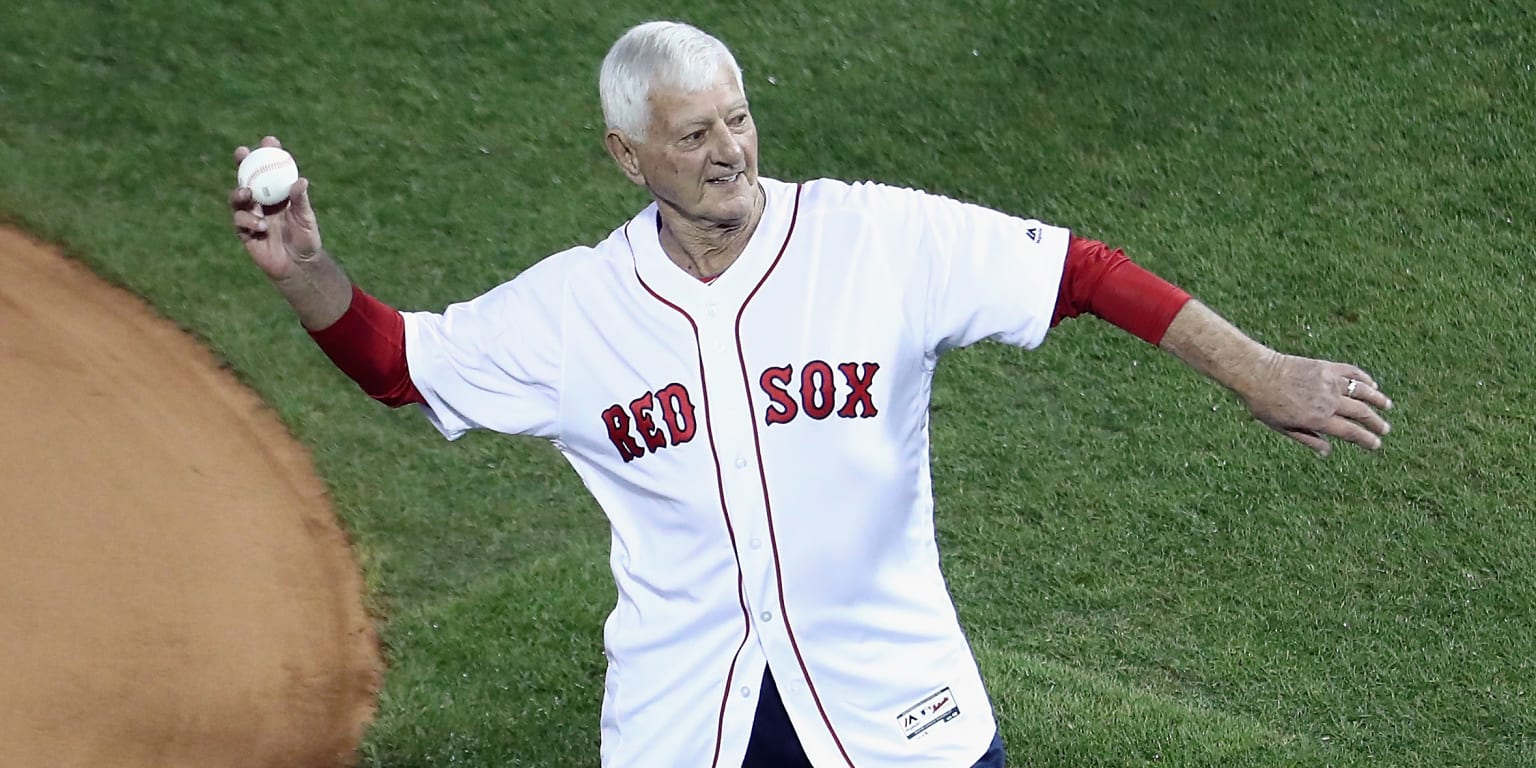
(260, 169)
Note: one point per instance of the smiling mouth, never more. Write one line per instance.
(724, 180)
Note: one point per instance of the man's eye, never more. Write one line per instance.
(695, 136)
(739, 120)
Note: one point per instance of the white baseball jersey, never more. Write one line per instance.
(760, 447)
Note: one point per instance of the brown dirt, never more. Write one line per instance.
(174, 587)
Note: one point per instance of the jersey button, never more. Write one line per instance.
(766, 615)
(712, 310)
(746, 691)
(756, 543)
(741, 463)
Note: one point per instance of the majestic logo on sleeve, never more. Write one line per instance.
(818, 390)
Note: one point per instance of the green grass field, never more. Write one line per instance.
(1149, 578)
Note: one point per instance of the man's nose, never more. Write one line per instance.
(727, 150)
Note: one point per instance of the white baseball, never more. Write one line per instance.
(270, 172)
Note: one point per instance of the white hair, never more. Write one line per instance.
(667, 54)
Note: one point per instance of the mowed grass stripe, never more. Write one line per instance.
(1112, 724)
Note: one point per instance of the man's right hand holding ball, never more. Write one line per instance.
(284, 241)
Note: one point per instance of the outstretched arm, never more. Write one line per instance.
(1307, 400)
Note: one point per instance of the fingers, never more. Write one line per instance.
(1365, 388)
(1309, 439)
(1355, 423)
(298, 194)
(298, 203)
(1351, 372)
(240, 198)
(249, 219)
(1351, 431)
(1355, 418)
(250, 224)
(1364, 415)
(1366, 391)
(1372, 396)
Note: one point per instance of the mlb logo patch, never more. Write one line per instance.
(934, 710)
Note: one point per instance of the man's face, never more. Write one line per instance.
(699, 156)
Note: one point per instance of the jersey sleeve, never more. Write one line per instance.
(493, 362)
(989, 275)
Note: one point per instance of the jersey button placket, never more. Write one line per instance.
(733, 428)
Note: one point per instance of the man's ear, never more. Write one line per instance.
(622, 150)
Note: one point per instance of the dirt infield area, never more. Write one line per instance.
(174, 587)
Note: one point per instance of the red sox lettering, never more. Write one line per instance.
(676, 411)
(634, 431)
(818, 391)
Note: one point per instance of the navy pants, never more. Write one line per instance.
(775, 745)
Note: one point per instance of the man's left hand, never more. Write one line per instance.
(1311, 400)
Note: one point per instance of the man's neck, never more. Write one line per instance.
(706, 249)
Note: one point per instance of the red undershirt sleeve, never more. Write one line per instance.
(1104, 282)
(368, 344)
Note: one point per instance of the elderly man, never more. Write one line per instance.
(740, 374)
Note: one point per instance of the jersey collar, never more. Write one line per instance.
(674, 284)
